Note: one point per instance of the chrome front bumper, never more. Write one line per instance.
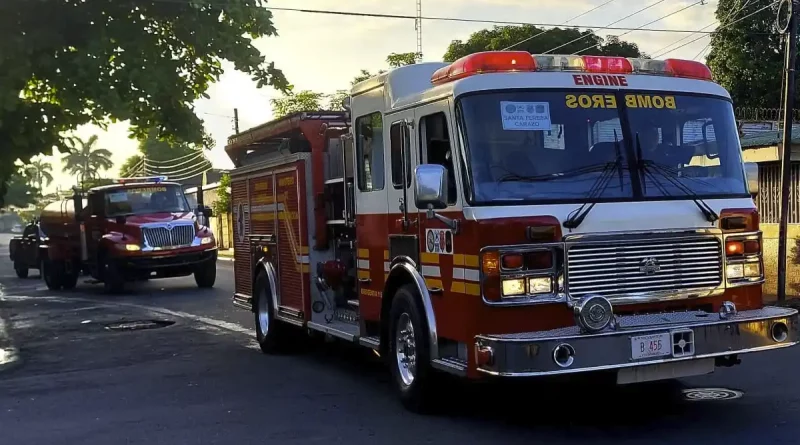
(531, 354)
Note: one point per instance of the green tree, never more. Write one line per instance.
(86, 161)
(396, 60)
(223, 203)
(305, 100)
(159, 153)
(95, 62)
(746, 57)
(21, 191)
(573, 41)
(40, 173)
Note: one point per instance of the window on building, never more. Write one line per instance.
(436, 148)
(399, 144)
(369, 148)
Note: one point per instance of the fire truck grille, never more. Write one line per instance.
(181, 235)
(635, 267)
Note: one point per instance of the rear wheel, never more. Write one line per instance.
(53, 273)
(20, 269)
(270, 334)
(409, 352)
(70, 280)
(206, 274)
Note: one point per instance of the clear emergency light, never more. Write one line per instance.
(156, 179)
(520, 61)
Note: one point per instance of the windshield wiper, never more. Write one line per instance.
(577, 216)
(645, 167)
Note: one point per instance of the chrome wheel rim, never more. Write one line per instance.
(263, 311)
(406, 349)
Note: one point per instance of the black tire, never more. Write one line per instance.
(53, 274)
(271, 334)
(416, 395)
(70, 280)
(206, 275)
(21, 270)
(113, 279)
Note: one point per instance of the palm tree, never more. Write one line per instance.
(86, 161)
(40, 173)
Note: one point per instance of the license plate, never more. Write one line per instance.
(653, 345)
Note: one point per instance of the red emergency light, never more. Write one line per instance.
(607, 65)
(687, 68)
(485, 62)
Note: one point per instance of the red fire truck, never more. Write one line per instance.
(511, 215)
(134, 229)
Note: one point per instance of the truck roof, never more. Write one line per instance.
(414, 85)
(108, 187)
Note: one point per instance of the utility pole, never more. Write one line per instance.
(786, 157)
(236, 120)
(418, 26)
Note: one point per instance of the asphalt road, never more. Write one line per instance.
(201, 380)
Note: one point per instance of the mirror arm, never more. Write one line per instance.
(453, 224)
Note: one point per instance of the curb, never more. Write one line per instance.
(227, 259)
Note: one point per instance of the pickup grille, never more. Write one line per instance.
(181, 235)
(634, 267)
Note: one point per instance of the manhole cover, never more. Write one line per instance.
(704, 394)
(138, 325)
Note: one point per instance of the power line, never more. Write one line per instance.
(699, 2)
(550, 29)
(455, 19)
(607, 27)
(721, 27)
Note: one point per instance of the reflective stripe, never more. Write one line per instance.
(472, 275)
(458, 273)
(303, 259)
(363, 274)
(431, 271)
(386, 266)
(431, 258)
(363, 253)
(363, 264)
(471, 260)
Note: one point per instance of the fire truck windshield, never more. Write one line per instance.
(553, 146)
(146, 199)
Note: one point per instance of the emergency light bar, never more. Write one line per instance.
(521, 61)
(156, 179)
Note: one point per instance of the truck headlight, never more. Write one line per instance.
(206, 240)
(513, 287)
(129, 247)
(735, 271)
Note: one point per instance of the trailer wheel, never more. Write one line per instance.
(206, 275)
(52, 273)
(409, 352)
(113, 280)
(20, 269)
(270, 333)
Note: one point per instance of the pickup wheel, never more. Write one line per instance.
(206, 275)
(53, 273)
(20, 269)
(409, 352)
(270, 334)
(113, 280)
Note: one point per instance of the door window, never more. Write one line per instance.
(399, 142)
(369, 147)
(436, 148)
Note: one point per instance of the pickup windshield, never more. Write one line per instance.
(146, 199)
(554, 146)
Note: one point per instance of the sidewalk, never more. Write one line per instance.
(9, 354)
(225, 255)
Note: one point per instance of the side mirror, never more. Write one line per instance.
(430, 188)
(751, 173)
(121, 220)
(205, 211)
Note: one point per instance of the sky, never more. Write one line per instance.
(324, 52)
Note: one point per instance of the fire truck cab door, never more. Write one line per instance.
(434, 130)
(403, 215)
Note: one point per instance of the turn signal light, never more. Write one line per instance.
(734, 248)
(490, 264)
(752, 246)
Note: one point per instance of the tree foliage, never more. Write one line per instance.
(501, 37)
(746, 57)
(223, 203)
(85, 161)
(73, 62)
(41, 173)
(396, 60)
(305, 100)
(21, 190)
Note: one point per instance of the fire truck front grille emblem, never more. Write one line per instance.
(634, 266)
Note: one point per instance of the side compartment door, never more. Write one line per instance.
(442, 268)
(403, 221)
(372, 209)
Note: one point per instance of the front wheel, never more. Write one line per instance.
(409, 352)
(206, 275)
(53, 273)
(113, 279)
(20, 269)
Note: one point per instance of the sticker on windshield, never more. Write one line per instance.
(525, 116)
(118, 197)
